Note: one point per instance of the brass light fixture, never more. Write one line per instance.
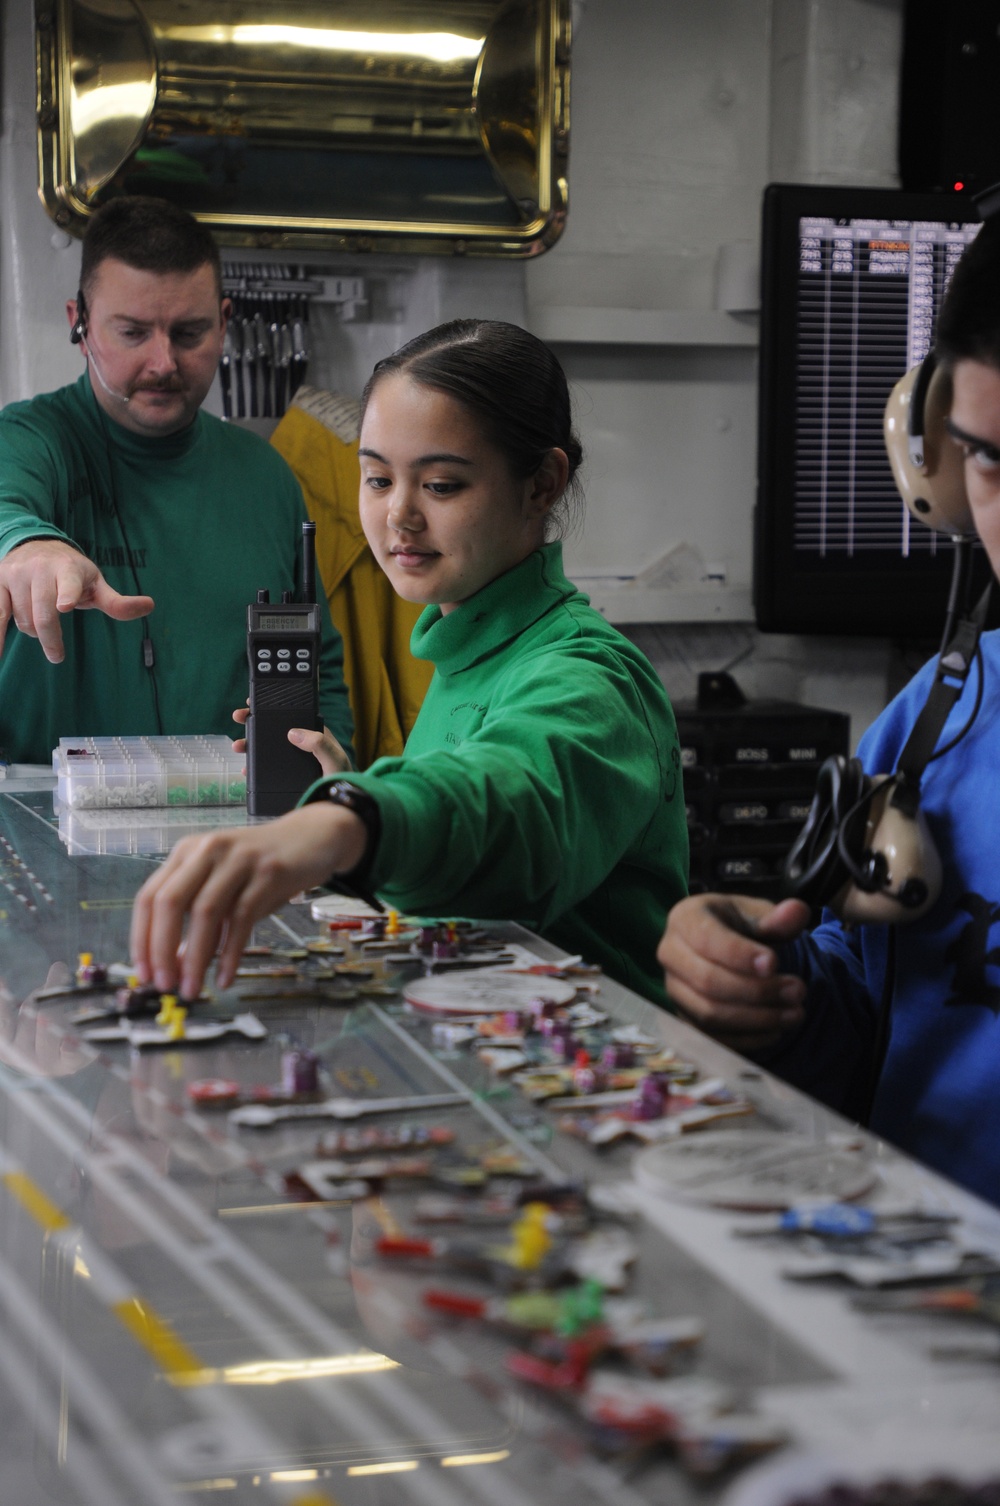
(435, 126)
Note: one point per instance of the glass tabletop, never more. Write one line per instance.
(179, 1324)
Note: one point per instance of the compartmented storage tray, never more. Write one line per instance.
(99, 772)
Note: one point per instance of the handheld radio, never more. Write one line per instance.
(283, 646)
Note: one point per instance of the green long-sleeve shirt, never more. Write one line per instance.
(208, 516)
(542, 779)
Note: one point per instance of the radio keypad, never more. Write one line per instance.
(284, 660)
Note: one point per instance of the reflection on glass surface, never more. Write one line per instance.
(458, 1461)
(275, 1372)
(138, 830)
(390, 1467)
(437, 125)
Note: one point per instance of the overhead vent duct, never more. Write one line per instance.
(394, 125)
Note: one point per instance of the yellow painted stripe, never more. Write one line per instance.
(391, 1467)
(456, 1461)
(158, 1339)
(145, 1325)
(33, 1199)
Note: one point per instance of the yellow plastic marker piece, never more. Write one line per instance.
(85, 958)
(175, 1025)
(530, 1238)
(392, 926)
(168, 1004)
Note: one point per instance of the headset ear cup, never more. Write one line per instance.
(902, 863)
(933, 490)
(814, 869)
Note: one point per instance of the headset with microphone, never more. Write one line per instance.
(78, 336)
(865, 850)
(927, 464)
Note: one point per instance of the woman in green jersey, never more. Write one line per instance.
(541, 782)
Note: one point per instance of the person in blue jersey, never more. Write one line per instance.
(808, 1004)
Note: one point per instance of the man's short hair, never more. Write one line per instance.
(150, 235)
(968, 326)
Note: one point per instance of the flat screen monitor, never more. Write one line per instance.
(852, 280)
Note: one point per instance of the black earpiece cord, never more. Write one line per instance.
(857, 873)
(959, 588)
(148, 655)
(77, 335)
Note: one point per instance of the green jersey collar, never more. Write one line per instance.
(495, 615)
(162, 446)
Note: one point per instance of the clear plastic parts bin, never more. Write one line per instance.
(101, 773)
(97, 833)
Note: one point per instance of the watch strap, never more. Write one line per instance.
(355, 883)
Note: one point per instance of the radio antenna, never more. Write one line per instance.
(308, 562)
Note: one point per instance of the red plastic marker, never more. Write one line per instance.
(456, 1303)
(567, 1375)
(400, 1247)
(214, 1092)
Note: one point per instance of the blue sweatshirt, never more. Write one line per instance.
(939, 1094)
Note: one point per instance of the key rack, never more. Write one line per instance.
(266, 351)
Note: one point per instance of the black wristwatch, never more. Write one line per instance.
(355, 883)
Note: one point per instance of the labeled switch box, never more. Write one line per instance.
(749, 777)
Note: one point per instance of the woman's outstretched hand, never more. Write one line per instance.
(223, 883)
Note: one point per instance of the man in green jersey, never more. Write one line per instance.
(134, 528)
